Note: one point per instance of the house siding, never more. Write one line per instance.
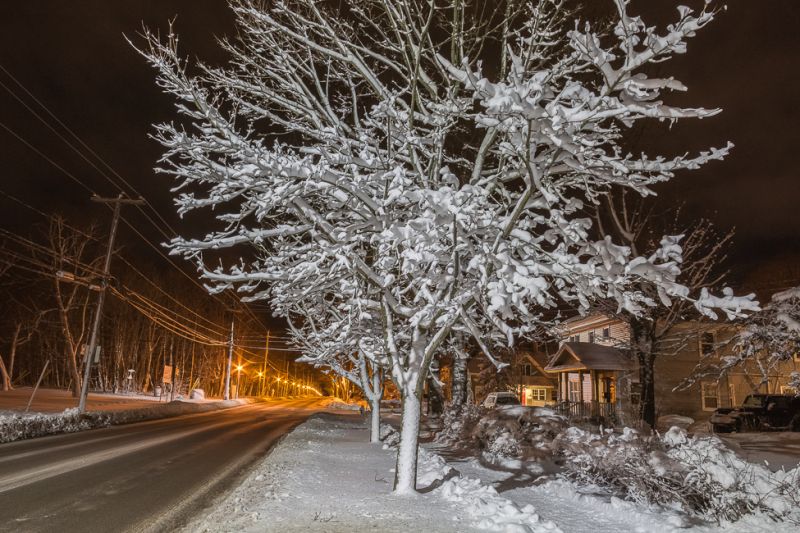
(677, 363)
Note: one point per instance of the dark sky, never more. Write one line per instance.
(72, 56)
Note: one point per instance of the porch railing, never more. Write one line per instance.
(586, 410)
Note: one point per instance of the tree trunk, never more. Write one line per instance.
(405, 481)
(435, 397)
(12, 355)
(4, 375)
(458, 385)
(375, 422)
(644, 348)
(647, 381)
(74, 374)
(375, 408)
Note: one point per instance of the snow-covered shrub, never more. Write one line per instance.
(698, 475)
(457, 425)
(508, 432)
(16, 426)
(389, 436)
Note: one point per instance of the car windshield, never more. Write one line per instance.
(507, 400)
(753, 401)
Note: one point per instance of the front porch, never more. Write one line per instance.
(586, 410)
(588, 380)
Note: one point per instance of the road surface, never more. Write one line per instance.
(149, 476)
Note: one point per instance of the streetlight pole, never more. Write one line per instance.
(87, 372)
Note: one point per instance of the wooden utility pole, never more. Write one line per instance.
(87, 372)
(227, 395)
(264, 367)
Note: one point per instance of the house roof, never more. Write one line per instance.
(588, 356)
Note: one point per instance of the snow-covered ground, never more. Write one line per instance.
(326, 476)
(15, 425)
(55, 400)
(775, 449)
(577, 509)
(337, 403)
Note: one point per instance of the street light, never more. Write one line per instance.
(238, 378)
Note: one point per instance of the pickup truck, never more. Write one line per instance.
(760, 412)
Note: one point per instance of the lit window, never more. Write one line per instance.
(538, 394)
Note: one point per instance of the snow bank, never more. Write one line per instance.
(19, 426)
(337, 403)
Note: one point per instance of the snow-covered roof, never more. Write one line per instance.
(588, 356)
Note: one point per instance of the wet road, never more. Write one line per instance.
(149, 476)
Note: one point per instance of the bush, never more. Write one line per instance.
(514, 432)
(699, 475)
(16, 426)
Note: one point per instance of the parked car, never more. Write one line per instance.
(500, 398)
(760, 412)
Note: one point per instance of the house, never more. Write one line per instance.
(590, 377)
(525, 375)
(534, 384)
(596, 376)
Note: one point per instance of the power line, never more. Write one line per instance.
(127, 223)
(106, 176)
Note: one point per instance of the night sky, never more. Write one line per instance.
(72, 56)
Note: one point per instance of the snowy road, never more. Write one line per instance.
(148, 476)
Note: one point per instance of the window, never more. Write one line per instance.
(527, 370)
(574, 390)
(607, 333)
(575, 338)
(707, 344)
(539, 395)
(786, 389)
(709, 396)
(591, 336)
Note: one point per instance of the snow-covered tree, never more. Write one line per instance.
(639, 224)
(440, 152)
(350, 347)
(766, 342)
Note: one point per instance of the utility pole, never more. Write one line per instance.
(87, 372)
(264, 368)
(227, 395)
(172, 369)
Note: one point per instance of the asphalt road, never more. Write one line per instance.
(149, 476)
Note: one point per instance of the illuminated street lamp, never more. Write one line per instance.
(239, 369)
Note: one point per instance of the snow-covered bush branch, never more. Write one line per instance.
(699, 474)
